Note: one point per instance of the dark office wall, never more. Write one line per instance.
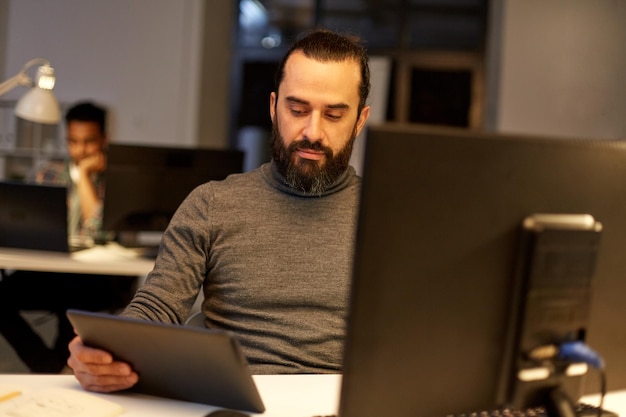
(561, 68)
(219, 27)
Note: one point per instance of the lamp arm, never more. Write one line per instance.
(16, 80)
(21, 78)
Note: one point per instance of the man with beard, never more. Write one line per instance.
(271, 249)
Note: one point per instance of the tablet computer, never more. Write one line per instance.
(180, 362)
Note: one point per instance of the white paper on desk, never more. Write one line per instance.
(58, 402)
(111, 252)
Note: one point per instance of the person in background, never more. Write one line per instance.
(271, 249)
(83, 175)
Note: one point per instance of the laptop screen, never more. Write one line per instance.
(33, 216)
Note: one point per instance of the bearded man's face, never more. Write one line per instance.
(312, 176)
(316, 118)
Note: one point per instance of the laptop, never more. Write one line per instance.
(179, 362)
(33, 216)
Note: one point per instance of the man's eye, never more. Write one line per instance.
(333, 116)
(297, 112)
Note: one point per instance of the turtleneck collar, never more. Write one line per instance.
(276, 180)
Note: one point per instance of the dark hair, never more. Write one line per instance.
(328, 46)
(87, 112)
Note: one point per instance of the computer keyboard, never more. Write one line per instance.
(581, 409)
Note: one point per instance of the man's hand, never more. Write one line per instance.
(93, 163)
(89, 201)
(96, 370)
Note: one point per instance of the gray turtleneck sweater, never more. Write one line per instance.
(274, 265)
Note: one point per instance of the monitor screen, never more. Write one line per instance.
(146, 184)
(440, 232)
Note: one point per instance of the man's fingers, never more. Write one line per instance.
(105, 383)
(96, 370)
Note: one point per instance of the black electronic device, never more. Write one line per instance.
(146, 184)
(550, 307)
(181, 362)
(439, 312)
(33, 216)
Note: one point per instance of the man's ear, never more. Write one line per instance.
(273, 106)
(365, 114)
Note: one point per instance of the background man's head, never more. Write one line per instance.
(86, 130)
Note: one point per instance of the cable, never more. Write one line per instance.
(579, 352)
(602, 391)
(576, 351)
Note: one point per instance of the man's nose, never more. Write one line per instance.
(313, 128)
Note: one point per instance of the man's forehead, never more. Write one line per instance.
(303, 72)
(299, 58)
(78, 129)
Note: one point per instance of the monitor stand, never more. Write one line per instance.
(559, 404)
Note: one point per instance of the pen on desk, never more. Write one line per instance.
(9, 395)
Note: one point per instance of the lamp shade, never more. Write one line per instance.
(40, 106)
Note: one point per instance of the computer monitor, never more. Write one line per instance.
(33, 216)
(146, 184)
(434, 322)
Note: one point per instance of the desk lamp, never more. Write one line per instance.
(39, 104)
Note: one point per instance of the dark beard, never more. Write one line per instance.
(312, 177)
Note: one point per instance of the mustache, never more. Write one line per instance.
(314, 146)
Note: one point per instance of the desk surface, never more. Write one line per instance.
(283, 395)
(110, 259)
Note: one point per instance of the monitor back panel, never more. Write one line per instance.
(33, 216)
(437, 237)
(146, 184)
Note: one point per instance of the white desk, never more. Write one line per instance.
(110, 259)
(283, 395)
